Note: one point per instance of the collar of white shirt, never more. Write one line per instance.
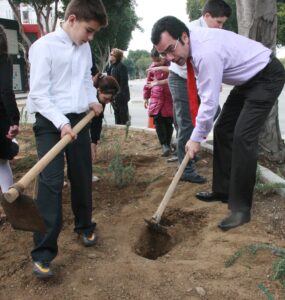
(64, 36)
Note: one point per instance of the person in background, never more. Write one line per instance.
(214, 15)
(158, 100)
(61, 92)
(9, 117)
(120, 72)
(108, 86)
(220, 56)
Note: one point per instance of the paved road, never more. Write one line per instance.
(139, 116)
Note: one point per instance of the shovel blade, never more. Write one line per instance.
(156, 226)
(23, 214)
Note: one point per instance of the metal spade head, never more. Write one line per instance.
(156, 226)
(23, 214)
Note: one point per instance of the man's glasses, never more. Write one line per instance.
(171, 49)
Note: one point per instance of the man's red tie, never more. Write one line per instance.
(192, 92)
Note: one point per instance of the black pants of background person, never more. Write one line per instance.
(50, 184)
(236, 135)
(164, 129)
(5, 143)
(121, 112)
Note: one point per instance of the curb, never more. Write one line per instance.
(267, 176)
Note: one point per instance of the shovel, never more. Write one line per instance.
(153, 223)
(21, 210)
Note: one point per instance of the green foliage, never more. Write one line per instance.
(278, 266)
(194, 11)
(139, 60)
(121, 175)
(279, 271)
(122, 21)
(281, 22)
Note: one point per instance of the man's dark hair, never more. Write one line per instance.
(172, 25)
(87, 10)
(217, 8)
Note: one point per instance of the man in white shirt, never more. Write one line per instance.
(61, 91)
(214, 15)
(219, 56)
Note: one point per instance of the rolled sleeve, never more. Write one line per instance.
(209, 68)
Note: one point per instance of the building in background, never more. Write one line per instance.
(16, 50)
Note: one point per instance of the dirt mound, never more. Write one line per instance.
(129, 261)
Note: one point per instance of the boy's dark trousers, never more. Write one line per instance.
(236, 135)
(50, 184)
(164, 129)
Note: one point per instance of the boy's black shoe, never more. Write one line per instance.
(212, 196)
(194, 178)
(42, 270)
(89, 240)
(166, 151)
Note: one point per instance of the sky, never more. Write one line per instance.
(150, 11)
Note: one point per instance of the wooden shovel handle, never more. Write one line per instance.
(157, 216)
(12, 194)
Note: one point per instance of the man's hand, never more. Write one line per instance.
(66, 129)
(13, 131)
(192, 148)
(93, 151)
(97, 108)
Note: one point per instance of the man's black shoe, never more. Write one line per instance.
(234, 220)
(195, 178)
(212, 196)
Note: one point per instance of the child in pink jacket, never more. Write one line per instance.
(158, 99)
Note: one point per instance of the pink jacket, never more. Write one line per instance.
(159, 95)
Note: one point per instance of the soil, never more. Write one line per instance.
(131, 262)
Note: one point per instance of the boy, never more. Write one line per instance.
(61, 91)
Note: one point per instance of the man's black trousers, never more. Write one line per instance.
(236, 134)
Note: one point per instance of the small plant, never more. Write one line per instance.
(23, 116)
(121, 175)
(278, 266)
(128, 124)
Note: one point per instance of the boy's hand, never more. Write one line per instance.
(97, 108)
(145, 103)
(13, 131)
(192, 148)
(66, 129)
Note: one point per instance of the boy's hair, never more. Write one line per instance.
(217, 8)
(118, 53)
(3, 41)
(87, 10)
(172, 25)
(154, 53)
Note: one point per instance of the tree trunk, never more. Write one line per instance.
(16, 11)
(257, 20)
